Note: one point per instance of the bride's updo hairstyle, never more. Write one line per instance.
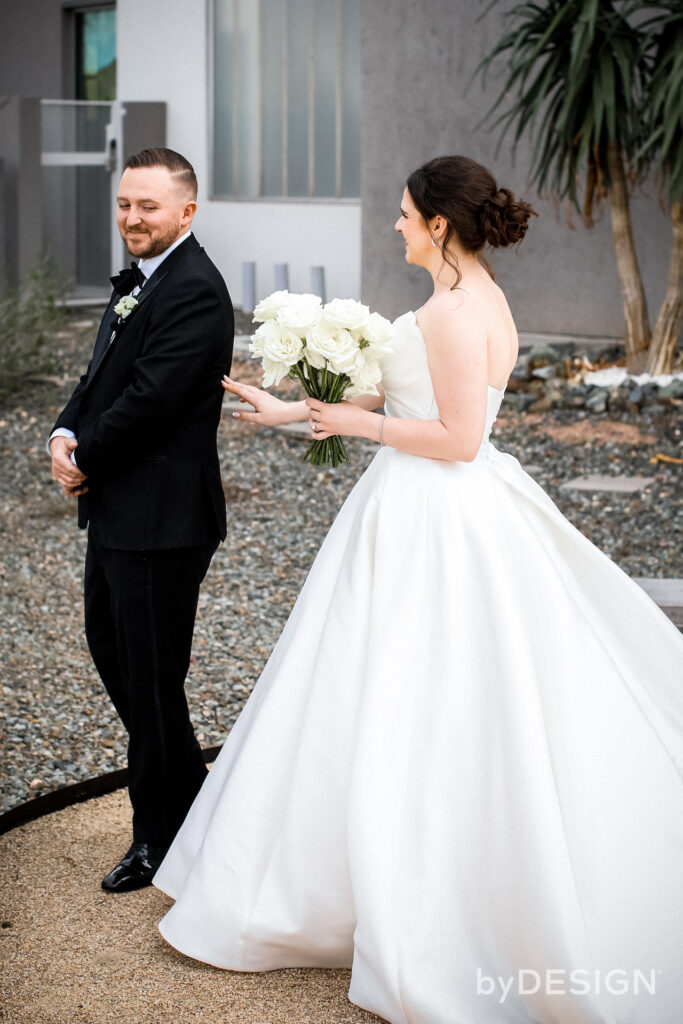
(476, 211)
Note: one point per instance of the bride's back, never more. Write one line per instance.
(488, 303)
(502, 343)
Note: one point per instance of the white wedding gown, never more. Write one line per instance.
(461, 765)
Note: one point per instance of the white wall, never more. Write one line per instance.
(162, 55)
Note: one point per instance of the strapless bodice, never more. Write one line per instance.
(407, 383)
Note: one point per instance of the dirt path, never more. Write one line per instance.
(73, 955)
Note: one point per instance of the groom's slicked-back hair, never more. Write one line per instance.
(178, 165)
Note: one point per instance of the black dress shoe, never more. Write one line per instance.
(136, 869)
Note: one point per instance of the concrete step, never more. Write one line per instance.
(598, 482)
(668, 594)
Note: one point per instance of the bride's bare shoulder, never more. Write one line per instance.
(453, 315)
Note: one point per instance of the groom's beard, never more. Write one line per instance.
(154, 247)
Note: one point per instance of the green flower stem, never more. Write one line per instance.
(330, 450)
(296, 372)
(326, 387)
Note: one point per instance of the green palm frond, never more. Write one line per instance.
(576, 74)
(663, 110)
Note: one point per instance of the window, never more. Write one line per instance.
(286, 98)
(96, 54)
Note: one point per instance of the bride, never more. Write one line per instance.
(460, 773)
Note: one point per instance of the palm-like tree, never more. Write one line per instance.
(577, 72)
(665, 116)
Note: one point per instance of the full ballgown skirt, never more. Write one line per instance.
(461, 765)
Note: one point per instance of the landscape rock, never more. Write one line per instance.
(672, 390)
(545, 372)
(636, 398)
(520, 400)
(543, 355)
(596, 400)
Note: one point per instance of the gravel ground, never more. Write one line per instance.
(57, 722)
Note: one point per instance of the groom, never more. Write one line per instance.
(136, 443)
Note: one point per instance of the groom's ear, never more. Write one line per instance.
(189, 211)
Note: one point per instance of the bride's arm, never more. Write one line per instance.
(456, 352)
(267, 410)
(369, 402)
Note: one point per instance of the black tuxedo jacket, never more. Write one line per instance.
(146, 412)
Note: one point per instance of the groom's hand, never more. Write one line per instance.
(67, 475)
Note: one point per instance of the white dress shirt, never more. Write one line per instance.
(147, 267)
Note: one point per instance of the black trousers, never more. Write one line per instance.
(140, 608)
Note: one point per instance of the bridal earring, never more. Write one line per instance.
(435, 243)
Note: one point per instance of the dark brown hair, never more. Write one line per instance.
(179, 167)
(476, 211)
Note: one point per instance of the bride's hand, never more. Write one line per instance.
(269, 411)
(343, 418)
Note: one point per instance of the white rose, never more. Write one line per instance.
(283, 346)
(347, 314)
(277, 348)
(273, 372)
(300, 314)
(378, 331)
(365, 375)
(325, 344)
(318, 362)
(261, 335)
(268, 308)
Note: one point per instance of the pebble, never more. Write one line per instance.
(596, 401)
(544, 372)
(672, 390)
(57, 723)
(543, 355)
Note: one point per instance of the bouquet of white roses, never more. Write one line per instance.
(334, 350)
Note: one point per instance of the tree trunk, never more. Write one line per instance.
(670, 319)
(633, 294)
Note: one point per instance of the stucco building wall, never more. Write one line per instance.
(417, 61)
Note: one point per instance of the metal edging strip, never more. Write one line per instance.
(75, 793)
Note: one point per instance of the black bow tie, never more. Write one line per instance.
(124, 282)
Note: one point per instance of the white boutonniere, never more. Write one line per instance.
(125, 306)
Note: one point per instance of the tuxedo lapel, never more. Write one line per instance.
(103, 345)
(103, 336)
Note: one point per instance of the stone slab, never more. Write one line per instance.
(597, 482)
(667, 593)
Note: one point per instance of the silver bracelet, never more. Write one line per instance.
(381, 431)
